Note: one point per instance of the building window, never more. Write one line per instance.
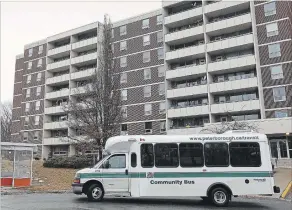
(124, 112)
(39, 90)
(123, 45)
(36, 135)
(161, 89)
(124, 129)
(161, 71)
(25, 136)
(30, 52)
(276, 72)
(41, 49)
(123, 61)
(148, 109)
(148, 127)
(147, 91)
(160, 53)
(162, 126)
(29, 65)
(124, 95)
(26, 121)
(146, 40)
(274, 50)
(159, 36)
(216, 154)
(146, 57)
(279, 94)
(123, 77)
(36, 120)
(40, 62)
(272, 29)
(39, 77)
(37, 105)
(123, 30)
(166, 155)
(159, 20)
(162, 107)
(270, 9)
(147, 73)
(28, 79)
(145, 23)
(27, 93)
(281, 114)
(27, 107)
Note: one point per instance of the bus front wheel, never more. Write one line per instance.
(220, 197)
(95, 193)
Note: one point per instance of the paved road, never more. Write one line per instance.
(74, 202)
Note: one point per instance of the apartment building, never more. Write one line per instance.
(230, 60)
(187, 66)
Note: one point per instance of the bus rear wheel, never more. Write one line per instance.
(95, 193)
(220, 197)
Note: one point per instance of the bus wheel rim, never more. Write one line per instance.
(96, 192)
(220, 197)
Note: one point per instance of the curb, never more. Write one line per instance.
(287, 190)
(35, 191)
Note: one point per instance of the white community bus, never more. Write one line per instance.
(214, 167)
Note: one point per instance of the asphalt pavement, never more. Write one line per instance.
(68, 201)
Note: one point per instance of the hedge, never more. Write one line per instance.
(69, 162)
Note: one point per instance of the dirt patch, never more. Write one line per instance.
(51, 179)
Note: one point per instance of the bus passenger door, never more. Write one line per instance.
(115, 174)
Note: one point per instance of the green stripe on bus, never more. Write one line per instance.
(178, 174)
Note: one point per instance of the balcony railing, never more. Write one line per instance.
(233, 101)
(230, 37)
(186, 66)
(224, 58)
(187, 105)
(236, 14)
(236, 77)
(189, 84)
(185, 27)
(172, 48)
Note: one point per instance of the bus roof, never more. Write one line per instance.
(123, 143)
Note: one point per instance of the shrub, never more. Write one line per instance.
(69, 162)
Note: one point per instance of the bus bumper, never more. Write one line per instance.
(276, 189)
(77, 188)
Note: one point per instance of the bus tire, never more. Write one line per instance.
(220, 197)
(95, 193)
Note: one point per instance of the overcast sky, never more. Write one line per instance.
(26, 22)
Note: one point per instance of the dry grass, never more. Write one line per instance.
(55, 179)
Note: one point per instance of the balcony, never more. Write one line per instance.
(84, 58)
(62, 79)
(60, 51)
(218, 7)
(185, 35)
(188, 111)
(239, 42)
(236, 106)
(83, 74)
(54, 110)
(186, 71)
(60, 65)
(187, 91)
(86, 44)
(242, 84)
(81, 89)
(190, 15)
(237, 23)
(241, 62)
(57, 140)
(56, 125)
(189, 52)
(57, 94)
(184, 131)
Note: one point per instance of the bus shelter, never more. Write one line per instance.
(16, 164)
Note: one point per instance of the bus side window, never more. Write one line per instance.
(216, 154)
(147, 156)
(245, 154)
(191, 155)
(133, 160)
(166, 155)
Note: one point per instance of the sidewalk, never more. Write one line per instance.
(282, 178)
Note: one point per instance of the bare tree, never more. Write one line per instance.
(6, 122)
(95, 111)
(230, 125)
